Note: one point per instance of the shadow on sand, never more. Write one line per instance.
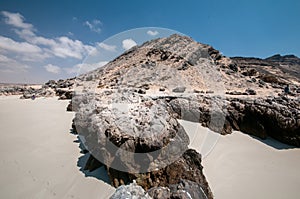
(99, 173)
(274, 143)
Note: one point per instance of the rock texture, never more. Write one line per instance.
(126, 111)
(61, 88)
(119, 133)
(185, 189)
(132, 191)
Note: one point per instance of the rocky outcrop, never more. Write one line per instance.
(127, 111)
(61, 88)
(134, 133)
(277, 117)
(187, 167)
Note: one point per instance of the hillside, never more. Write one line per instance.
(127, 111)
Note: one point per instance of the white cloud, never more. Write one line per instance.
(107, 47)
(65, 47)
(22, 51)
(84, 67)
(93, 25)
(152, 33)
(16, 20)
(128, 43)
(62, 47)
(52, 69)
(32, 50)
(7, 44)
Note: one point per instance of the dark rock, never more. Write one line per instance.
(235, 93)
(162, 89)
(141, 91)
(191, 180)
(250, 72)
(276, 117)
(69, 107)
(270, 79)
(233, 66)
(250, 91)
(179, 89)
(64, 94)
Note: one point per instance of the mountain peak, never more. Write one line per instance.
(279, 57)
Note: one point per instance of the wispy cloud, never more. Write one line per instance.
(52, 68)
(152, 33)
(16, 20)
(107, 47)
(94, 25)
(128, 43)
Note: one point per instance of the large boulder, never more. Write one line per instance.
(131, 134)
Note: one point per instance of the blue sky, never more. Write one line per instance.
(41, 40)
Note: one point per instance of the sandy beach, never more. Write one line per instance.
(240, 166)
(40, 158)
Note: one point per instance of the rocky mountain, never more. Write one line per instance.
(127, 111)
(282, 67)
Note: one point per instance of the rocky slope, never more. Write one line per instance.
(127, 110)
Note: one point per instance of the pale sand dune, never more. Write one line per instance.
(38, 155)
(239, 166)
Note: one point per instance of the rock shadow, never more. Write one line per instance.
(99, 173)
(274, 143)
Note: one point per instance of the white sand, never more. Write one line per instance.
(240, 166)
(38, 158)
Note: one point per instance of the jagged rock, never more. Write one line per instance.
(188, 189)
(159, 192)
(250, 91)
(275, 117)
(184, 190)
(132, 191)
(175, 180)
(209, 111)
(64, 94)
(176, 173)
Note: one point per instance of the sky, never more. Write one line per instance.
(51, 39)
